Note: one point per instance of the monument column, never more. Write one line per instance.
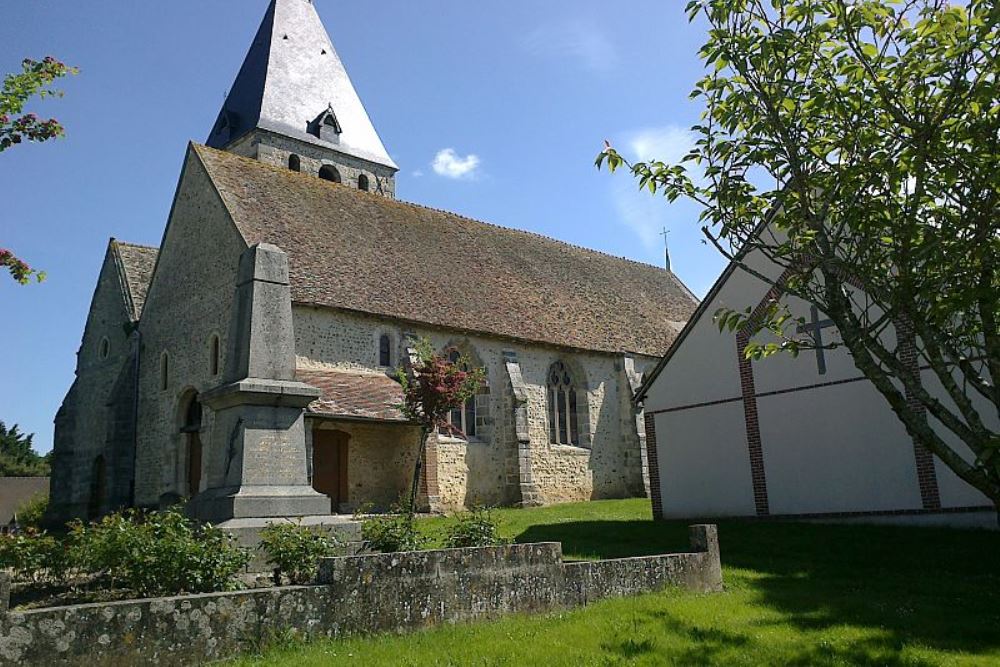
(259, 408)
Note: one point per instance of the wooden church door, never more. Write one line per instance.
(330, 466)
(194, 465)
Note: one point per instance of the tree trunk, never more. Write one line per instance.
(417, 467)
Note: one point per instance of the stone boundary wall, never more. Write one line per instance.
(356, 595)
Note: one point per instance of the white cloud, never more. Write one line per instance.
(578, 40)
(418, 174)
(668, 144)
(449, 164)
(644, 214)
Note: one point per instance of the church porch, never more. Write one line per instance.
(361, 449)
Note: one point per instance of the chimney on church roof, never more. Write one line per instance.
(293, 85)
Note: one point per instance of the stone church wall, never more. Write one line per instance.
(190, 300)
(85, 426)
(485, 470)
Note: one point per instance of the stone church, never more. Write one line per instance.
(248, 363)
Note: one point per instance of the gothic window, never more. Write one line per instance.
(329, 173)
(214, 355)
(384, 350)
(164, 371)
(105, 348)
(294, 162)
(563, 422)
(363, 183)
(463, 419)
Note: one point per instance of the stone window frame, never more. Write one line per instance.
(578, 388)
(377, 345)
(294, 162)
(331, 169)
(479, 405)
(165, 370)
(214, 354)
(364, 183)
(104, 349)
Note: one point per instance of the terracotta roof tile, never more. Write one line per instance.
(363, 252)
(355, 395)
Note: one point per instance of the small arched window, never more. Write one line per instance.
(294, 162)
(384, 350)
(463, 419)
(164, 371)
(363, 183)
(329, 173)
(104, 349)
(213, 351)
(563, 421)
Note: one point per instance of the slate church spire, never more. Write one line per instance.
(294, 105)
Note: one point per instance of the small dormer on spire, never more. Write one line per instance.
(226, 126)
(326, 126)
(291, 72)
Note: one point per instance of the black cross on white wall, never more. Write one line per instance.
(815, 330)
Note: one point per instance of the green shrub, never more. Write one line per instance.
(395, 531)
(160, 553)
(34, 557)
(295, 550)
(32, 511)
(476, 528)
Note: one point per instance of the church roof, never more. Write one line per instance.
(354, 395)
(363, 252)
(135, 268)
(291, 75)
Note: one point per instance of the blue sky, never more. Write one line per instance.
(494, 110)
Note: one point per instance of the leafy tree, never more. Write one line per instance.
(437, 386)
(17, 458)
(35, 79)
(854, 144)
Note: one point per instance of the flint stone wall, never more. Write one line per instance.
(356, 595)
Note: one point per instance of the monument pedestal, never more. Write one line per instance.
(260, 426)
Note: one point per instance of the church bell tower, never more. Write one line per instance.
(294, 106)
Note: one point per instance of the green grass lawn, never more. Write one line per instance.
(802, 594)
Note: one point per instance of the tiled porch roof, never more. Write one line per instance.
(354, 395)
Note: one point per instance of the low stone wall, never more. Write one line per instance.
(356, 595)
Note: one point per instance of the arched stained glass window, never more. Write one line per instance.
(563, 420)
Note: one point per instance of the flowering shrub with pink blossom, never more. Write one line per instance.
(16, 127)
(437, 384)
